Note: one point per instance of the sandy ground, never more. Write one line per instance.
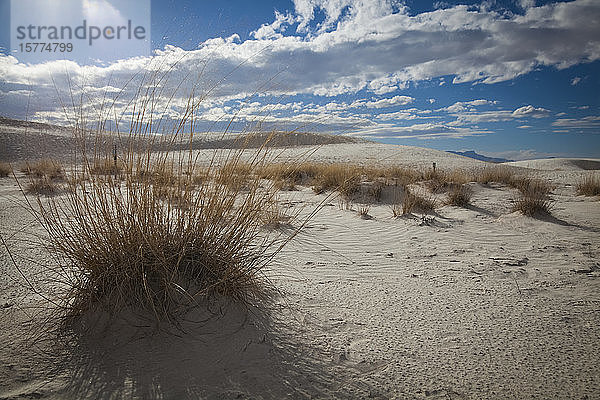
(463, 304)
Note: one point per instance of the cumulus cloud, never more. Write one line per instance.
(530, 111)
(273, 30)
(575, 81)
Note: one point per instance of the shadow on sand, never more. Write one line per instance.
(227, 352)
(546, 217)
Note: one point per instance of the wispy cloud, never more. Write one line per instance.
(591, 121)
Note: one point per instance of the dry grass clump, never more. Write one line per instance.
(50, 169)
(535, 197)
(397, 209)
(45, 177)
(157, 241)
(287, 176)
(235, 174)
(401, 175)
(442, 181)
(533, 206)
(460, 196)
(345, 178)
(497, 174)
(160, 248)
(350, 180)
(534, 188)
(589, 186)
(414, 202)
(43, 186)
(273, 217)
(158, 172)
(5, 169)
(106, 166)
(363, 211)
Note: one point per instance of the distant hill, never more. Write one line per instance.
(480, 157)
(26, 140)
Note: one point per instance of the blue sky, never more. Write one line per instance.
(516, 79)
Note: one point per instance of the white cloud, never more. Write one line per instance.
(101, 13)
(575, 80)
(530, 111)
(525, 4)
(461, 106)
(273, 30)
(391, 102)
(419, 131)
(591, 121)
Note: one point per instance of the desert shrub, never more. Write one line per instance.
(160, 248)
(273, 217)
(363, 211)
(414, 202)
(5, 169)
(47, 168)
(534, 197)
(235, 174)
(396, 209)
(534, 188)
(403, 176)
(157, 241)
(344, 178)
(106, 166)
(460, 196)
(533, 206)
(290, 175)
(442, 181)
(45, 177)
(495, 174)
(589, 186)
(42, 186)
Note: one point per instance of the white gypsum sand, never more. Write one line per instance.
(477, 302)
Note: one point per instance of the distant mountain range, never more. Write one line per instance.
(480, 157)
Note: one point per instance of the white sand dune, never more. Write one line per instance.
(559, 164)
(463, 304)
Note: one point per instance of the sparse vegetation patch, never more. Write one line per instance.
(589, 186)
